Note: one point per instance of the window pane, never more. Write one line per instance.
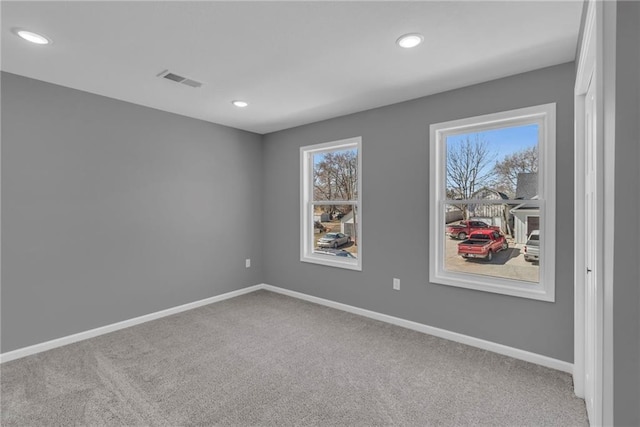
(335, 175)
(503, 162)
(335, 231)
(493, 240)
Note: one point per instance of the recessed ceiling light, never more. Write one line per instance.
(30, 36)
(240, 104)
(410, 40)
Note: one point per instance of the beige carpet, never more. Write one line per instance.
(267, 359)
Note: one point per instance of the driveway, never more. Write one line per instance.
(509, 264)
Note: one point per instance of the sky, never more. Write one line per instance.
(505, 141)
(317, 158)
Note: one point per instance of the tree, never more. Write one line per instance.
(506, 171)
(468, 169)
(335, 177)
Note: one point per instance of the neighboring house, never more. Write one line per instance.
(321, 216)
(494, 214)
(347, 225)
(527, 186)
(526, 217)
(452, 214)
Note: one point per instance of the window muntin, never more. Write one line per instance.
(330, 203)
(471, 186)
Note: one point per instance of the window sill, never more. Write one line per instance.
(496, 285)
(353, 264)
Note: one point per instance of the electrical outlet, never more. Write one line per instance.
(247, 262)
(396, 284)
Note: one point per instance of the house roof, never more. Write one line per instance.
(525, 207)
(527, 189)
(348, 217)
(489, 193)
(527, 186)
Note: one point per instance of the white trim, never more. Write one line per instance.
(590, 71)
(91, 333)
(306, 202)
(606, 63)
(527, 356)
(586, 55)
(430, 330)
(545, 116)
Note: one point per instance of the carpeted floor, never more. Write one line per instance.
(267, 359)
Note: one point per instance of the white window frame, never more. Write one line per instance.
(307, 202)
(545, 117)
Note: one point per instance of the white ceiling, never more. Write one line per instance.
(294, 62)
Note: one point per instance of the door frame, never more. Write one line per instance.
(590, 71)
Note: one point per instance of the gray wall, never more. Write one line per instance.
(626, 273)
(395, 218)
(112, 210)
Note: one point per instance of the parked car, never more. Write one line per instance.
(532, 247)
(333, 240)
(483, 244)
(335, 252)
(466, 227)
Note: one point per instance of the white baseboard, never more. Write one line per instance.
(59, 342)
(430, 330)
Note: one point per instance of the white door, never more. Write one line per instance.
(593, 291)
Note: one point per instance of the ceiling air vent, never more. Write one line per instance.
(179, 79)
(191, 83)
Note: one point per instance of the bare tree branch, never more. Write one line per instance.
(506, 171)
(336, 177)
(468, 168)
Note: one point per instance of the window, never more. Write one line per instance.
(331, 217)
(492, 185)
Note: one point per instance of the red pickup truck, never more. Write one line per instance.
(465, 228)
(483, 244)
